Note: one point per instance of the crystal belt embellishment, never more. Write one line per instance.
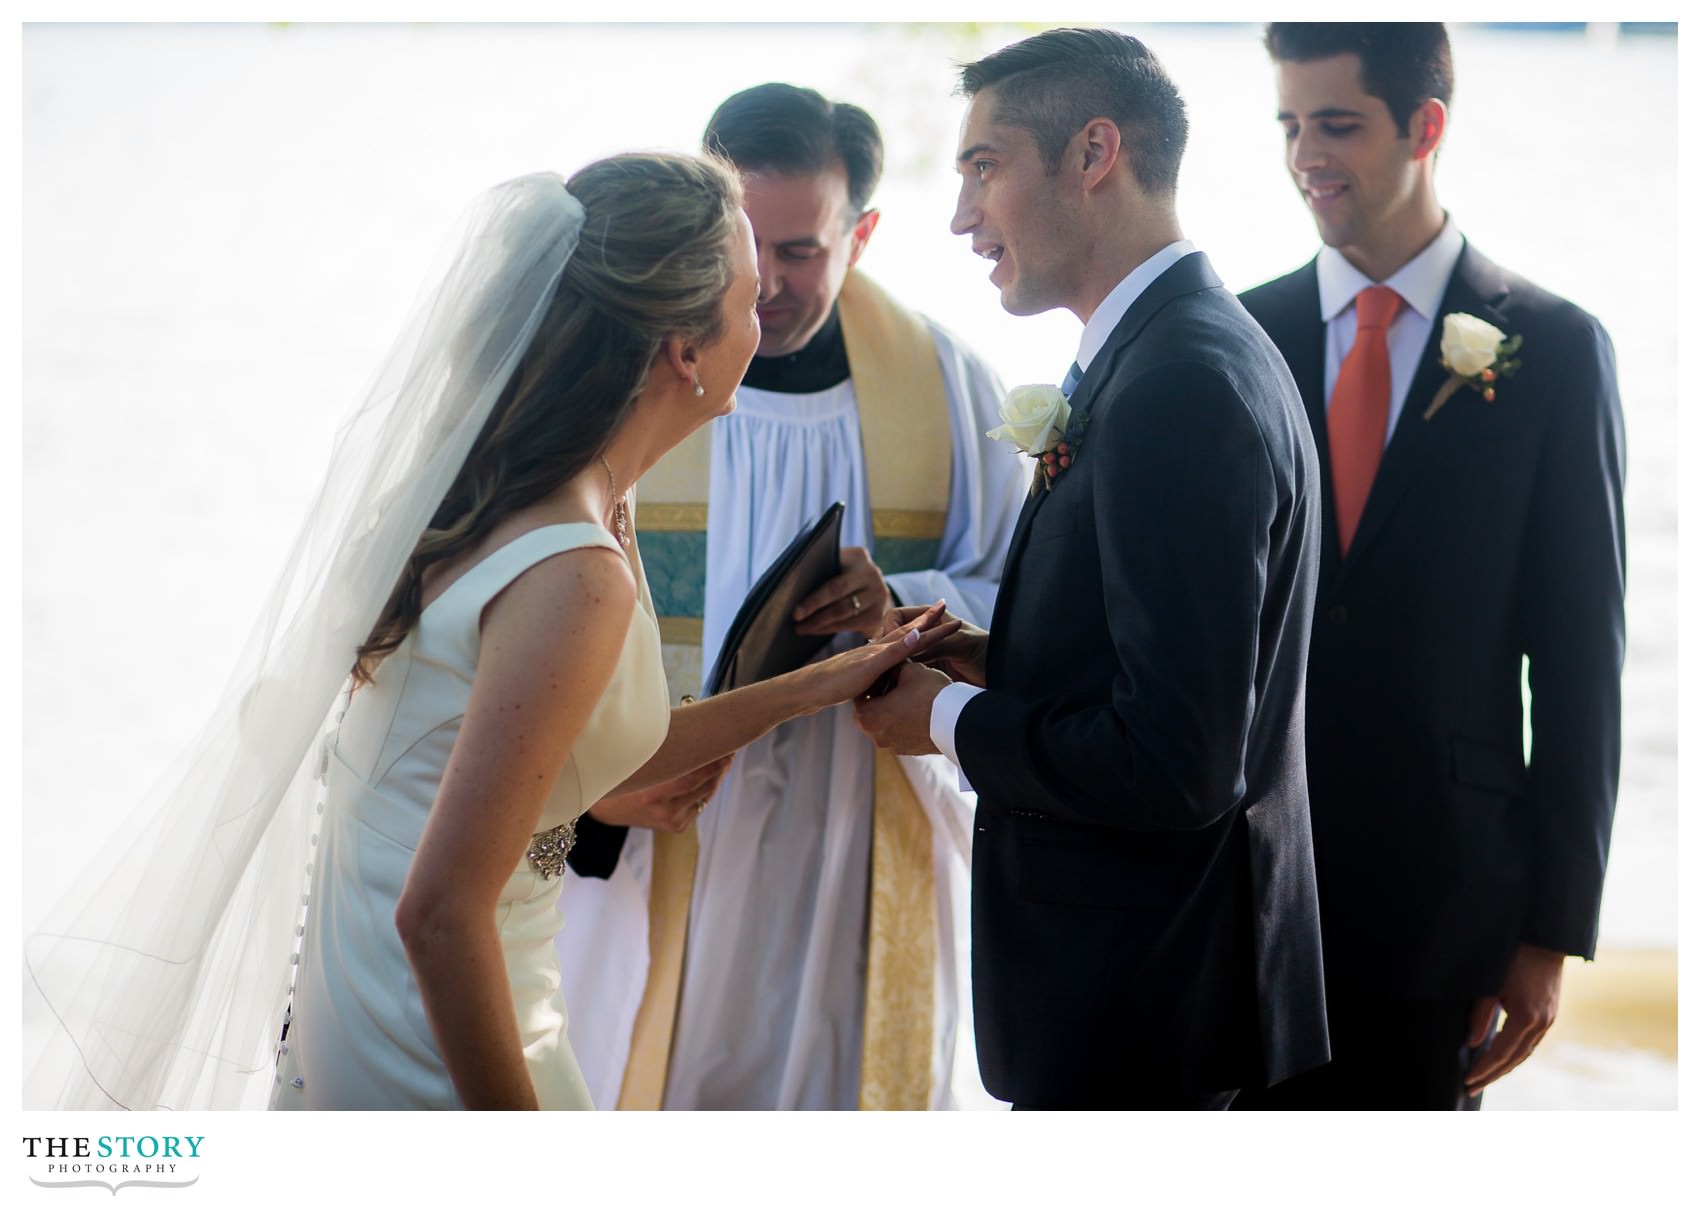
(548, 852)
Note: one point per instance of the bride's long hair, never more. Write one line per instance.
(654, 261)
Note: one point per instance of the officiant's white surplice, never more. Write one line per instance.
(770, 1012)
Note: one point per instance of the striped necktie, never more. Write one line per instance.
(1072, 379)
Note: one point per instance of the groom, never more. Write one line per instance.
(1144, 905)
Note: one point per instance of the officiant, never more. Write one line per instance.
(801, 941)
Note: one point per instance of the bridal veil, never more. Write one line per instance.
(164, 975)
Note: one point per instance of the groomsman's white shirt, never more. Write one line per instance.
(1421, 283)
(947, 707)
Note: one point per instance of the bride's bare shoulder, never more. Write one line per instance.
(577, 600)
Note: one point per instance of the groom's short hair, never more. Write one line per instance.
(1052, 84)
(1402, 62)
(785, 129)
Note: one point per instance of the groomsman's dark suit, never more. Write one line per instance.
(1491, 531)
(1144, 913)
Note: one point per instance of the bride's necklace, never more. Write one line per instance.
(622, 529)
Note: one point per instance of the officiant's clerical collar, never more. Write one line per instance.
(820, 364)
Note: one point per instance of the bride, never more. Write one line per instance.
(470, 560)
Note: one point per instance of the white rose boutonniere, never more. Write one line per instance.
(1036, 417)
(1477, 354)
(1030, 414)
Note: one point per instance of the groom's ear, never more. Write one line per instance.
(1427, 127)
(1099, 150)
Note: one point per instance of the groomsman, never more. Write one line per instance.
(1472, 450)
(1144, 906)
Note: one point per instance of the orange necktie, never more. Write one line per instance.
(1357, 412)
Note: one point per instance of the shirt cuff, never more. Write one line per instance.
(947, 708)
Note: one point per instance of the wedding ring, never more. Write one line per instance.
(856, 602)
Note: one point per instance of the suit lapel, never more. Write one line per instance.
(1000, 605)
(1192, 273)
(1476, 288)
(1023, 523)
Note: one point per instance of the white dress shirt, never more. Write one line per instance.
(1420, 282)
(947, 707)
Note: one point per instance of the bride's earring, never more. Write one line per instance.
(696, 388)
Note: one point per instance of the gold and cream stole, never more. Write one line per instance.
(905, 420)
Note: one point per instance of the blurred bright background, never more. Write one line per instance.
(224, 225)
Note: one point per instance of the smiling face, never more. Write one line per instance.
(1018, 216)
(805, 244)
(1369, 185)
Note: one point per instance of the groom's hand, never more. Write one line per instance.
(901, 718)
(962, 656)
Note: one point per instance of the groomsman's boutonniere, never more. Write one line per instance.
(1037, 418)
(1477, 354)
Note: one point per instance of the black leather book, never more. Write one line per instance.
(762, 641)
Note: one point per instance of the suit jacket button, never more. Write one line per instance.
(1337, 614)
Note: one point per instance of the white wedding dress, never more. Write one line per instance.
(357, 1036)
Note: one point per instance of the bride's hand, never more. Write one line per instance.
(850, 674)
(962, 655)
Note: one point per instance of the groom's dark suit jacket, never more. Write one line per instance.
(1492, 531)
(1144, 907)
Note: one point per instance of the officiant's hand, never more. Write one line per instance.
(962, 656)
(668, 807)
(901, 718)
(857, 599)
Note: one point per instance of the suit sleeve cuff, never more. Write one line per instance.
(947, 708)
(596, 848)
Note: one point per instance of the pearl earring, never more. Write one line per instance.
(696, 388)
